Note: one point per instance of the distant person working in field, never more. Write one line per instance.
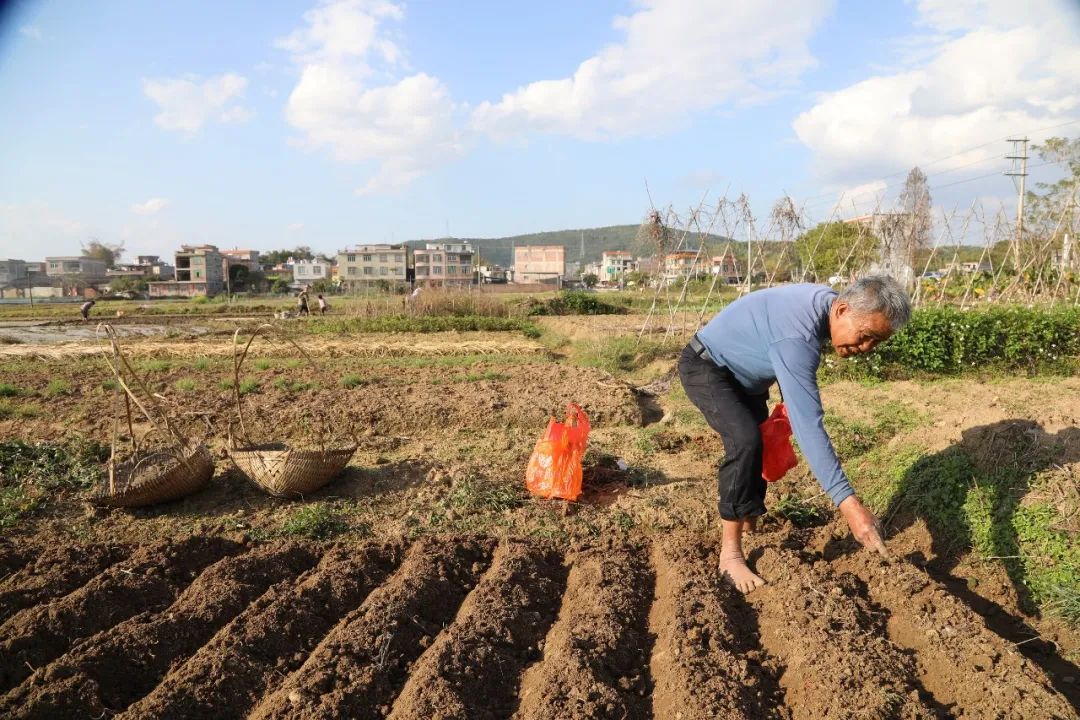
(323, 307)
(776, 335)
(84, 309)
(302, 303)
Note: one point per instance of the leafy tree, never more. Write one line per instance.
(108, 253)
(638, 278)
(1050, 203)
(322, 286)
(915, 204)
(275, 257)
(590, 280)
(823, 249)
(279, 286)
(129, 284)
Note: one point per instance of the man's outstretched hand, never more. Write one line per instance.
(864, 526)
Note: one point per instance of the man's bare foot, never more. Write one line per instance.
(741, 576)
(750, 524)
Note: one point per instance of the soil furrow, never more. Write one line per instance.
(106, 673)
(357, 670)
(707, 661)
(12, 558)
(966, 667)
(473, 669)
(228, 675)
(148, 581)
(54, 574)
(838, 660)
(595, 660)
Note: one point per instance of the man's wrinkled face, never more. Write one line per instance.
(856, 333)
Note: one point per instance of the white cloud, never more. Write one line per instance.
(295, 227)
(187, 103)
(149, 207)
(984, 71)
(402, 128)
(859, 199)
(30, 232)
(30, 31)
(678, 57)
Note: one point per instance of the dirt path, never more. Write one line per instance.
(452, 627)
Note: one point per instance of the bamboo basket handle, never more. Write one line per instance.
(121, 363)
(238, 361)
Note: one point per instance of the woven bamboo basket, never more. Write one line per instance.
(148, 476)
(278, 468)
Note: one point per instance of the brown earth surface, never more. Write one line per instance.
(453, 628)
(449, 593)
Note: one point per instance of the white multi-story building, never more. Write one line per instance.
(306, 272)
(614, 264)
(367, 267)
(444, 265)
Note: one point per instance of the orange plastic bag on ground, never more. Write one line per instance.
(777, 454)
(554, 469)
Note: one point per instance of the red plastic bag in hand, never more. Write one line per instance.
(777, 454)
(554, 469)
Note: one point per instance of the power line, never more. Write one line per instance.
(948, 157)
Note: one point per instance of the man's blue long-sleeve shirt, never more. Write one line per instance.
(776, 334)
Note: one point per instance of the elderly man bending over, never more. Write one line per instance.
(776, 335)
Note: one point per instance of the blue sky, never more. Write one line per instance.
(253, 124)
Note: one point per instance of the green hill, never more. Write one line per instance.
(593, 240)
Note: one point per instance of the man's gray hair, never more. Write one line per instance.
(879, 294)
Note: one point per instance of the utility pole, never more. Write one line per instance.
(1019, 159)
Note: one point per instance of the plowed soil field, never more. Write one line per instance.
(424, 582)
(453, 627)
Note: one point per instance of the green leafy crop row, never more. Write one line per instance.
(949, 341)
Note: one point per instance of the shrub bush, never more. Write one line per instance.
(946, 340)
(572, 302)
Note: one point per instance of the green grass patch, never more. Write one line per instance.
(109, 385)
(800, 513)
(58, 387)
(987, 511)
(317, 521)
(480, 375)
(9, 390)
(262, 363)
(9, 409)
(201, 364)
(286, 385)
(248, 386)
(619, 355)
(852, 438)
(186, 384)
(155, 365)
(33, 473)
(471, 495)
(352, 381)
(419, 324)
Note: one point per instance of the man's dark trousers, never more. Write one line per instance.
(736, 415)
